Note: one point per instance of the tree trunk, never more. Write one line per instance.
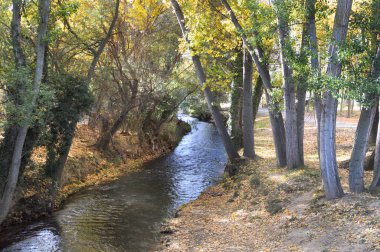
(328, 163)
(64, 153)
(237, 102)
(376, 166)
(341, 104)
(300, 108)
(256, 97)
(278, 131)
(231, 151)
(10, 186)
(372, 138)
(248, 123)
(363, 133)
(106, 137)
(313, 44)
(356, 176)
(293, 157)
(277, 122)
(349, 108)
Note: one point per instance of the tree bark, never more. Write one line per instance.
(328, 163)
(276, 118)
(278, 131)
(293, 157)
(237, 102)
(372, 138)
(301, 96)
(362, 137)
(349, 108)
(106, 137)
(10, 186)
(300, 109)
(256, 97)
(248, 122)
(313, 45)
(376, 166)
(231, 151)
(356, 167)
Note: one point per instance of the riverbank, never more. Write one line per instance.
(266, 208)
(86, 166)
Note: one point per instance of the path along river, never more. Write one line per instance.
(125, 215)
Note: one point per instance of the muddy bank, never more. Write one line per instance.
(86, 166)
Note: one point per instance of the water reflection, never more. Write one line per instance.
(125, 215)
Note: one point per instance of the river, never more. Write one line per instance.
(125, 215)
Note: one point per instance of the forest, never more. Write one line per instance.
(276, 100)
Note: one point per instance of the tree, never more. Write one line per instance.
(96, 53)
(328, 163)
(22, 127)
(293, 153)
(236, 107)
(363, 132)
(248, 121)
(376, 168)
(231, 151)
(276, 119)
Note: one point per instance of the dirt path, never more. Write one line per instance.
(270, 209)
(310, 119)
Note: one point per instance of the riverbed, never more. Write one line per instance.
(126, 215)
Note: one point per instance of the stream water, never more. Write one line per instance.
(125, 215)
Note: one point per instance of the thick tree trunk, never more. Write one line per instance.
(237, 103)
(300, 108)
(6, 152)
(64, 153)
(278, 131)
(328, 163)
(301, 96)
(372, 138)
(362, 137)
(231, 151)
(106, 137)
(376, 166)
(248, 132)
(276, 118)
(256, 97)
(358, 155)
(10, 186)
(313, 45)
(293, 156)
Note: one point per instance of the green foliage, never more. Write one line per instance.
(277, 96)
(73, 99)
(18, 106)
(67, 9)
